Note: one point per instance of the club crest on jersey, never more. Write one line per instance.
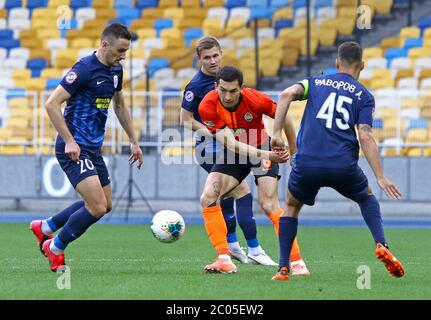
(248, 117)
(189, 96)
(115, 81)
(71, 76)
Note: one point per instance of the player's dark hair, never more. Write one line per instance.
(229, 74)
(206, 43)
(116, 31)
(350, 53)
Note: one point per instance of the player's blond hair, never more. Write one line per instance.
(206, 43)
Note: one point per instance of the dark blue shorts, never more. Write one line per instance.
(304, 183)
(90, 163)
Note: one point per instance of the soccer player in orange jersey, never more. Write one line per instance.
(233, 113)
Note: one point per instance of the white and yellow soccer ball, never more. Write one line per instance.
(167, 226)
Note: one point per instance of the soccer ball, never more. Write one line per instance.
(167, 226)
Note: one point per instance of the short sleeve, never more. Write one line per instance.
(190, 101)
(268, 106)
(366, 112)
(209, 115)
(76, 78)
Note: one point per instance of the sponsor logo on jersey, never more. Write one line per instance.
(248, 117)
(102, 103)
(189, 96)
(70, 77)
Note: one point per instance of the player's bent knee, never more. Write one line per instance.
(269, 206)
(207, 201)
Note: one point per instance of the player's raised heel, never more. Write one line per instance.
(221, 266)
(299, 268)
(391, 263)
(56, 261)
(282, 274)
(36, 228)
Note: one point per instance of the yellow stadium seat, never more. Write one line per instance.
(347, 12)
(19, 74)
(314, 42)
(26, 34)
(410, 103)
(65, 58)
(191, 4)
(290, 57)
(18, 122)
(345, 26)
(383, 6)
(270, 44)
(41, 53)
(392, 42)
(249, 77)
(382, 83)
(327, 36)
(328, 24)
(417, 135)
(57, 3)
(48, 33)
(44, 23)
(213, 3)
(282, 13)
(196, 13)
(167, 3)
(386, 114)
(347, 3)
(18, 103)
(372, 52)
(212, 23)
(269, 67)
(241, 33)
(3, 13)
(215, 32)
(412, 152)
(152, 13)
(103, 4)
(170, 34)
(302, 24)
(44, 13)
(190, 23)
(143, 23)
(424, 73)
(404, 73)
(51, 73)
(172, 43)
(80, 43)
(12, 150)
(419, 53)
(410, 32)
(173, 13)
(96, 24)
(106, 13)
(381, 73)
(36, 84)
(146, 33)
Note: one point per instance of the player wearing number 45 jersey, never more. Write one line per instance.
(328, 151)
(88, 89)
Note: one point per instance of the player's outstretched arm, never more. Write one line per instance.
(371, 152)
(289, 130)
(53, 108)
(125, 119)
(290, 94)
(226, 137)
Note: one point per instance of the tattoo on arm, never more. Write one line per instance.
(366, 128)
(298, 92)
(216, 188)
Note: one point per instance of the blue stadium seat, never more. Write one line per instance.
(76, 4)
(401, 3)
(418, 124)
(323, 3)
(192, 33)
(234, 3)
(261, 13)
(125, 22)
(15, 93)
(6, 34)
(279, 3)
(128, 13)
(52, 83)
(72, 24)
(299, 4)
(36, 66)
(146, 4)
(394, 53)
(281, 24)
(424, 23)
(378, 123)
(156, 64)
(161, 24)
(12, 4)
(31, 4)
(123, 4)
(257, 3)
(10, 43)
(413, 43)
(329, 71)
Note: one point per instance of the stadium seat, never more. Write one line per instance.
(415, 53)
(173, 13)
(401, 63)
(124, 4)
(142, 4)
(410, 32)
(372, 52)
(213, 3)
(218, 13)
(279, 3)
(128, 13)
(9, 4)
(418, 124)
(76, 4)
(190, 4)
(193, 33)
(407, 83)
(235, 3)
(156, 64)
(412, 43)
(161, 24)
(240, 13)
(102, 4)
(392, 53)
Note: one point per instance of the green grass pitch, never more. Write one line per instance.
(126, 262)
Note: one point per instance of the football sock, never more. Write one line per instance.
(74, 227)
(230, 219)
(58, 220)
(216, 228)
(275, 217)
(244, 212)
(370, 210)
(287, 234)
(295, 253)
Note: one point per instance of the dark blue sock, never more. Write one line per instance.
(370, 210)
(244, 212)
(74, 227)
(59, 220)
(286, 235)
(230, 219)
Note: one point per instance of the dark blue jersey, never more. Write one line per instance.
(91, 85)
(327, 136)
(194, 92)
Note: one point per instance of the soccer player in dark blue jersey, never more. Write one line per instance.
(209, 53)
(328, 150)
(88, 88)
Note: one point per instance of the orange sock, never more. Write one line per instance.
(216, 228)
(295, 253)
(275, 219)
